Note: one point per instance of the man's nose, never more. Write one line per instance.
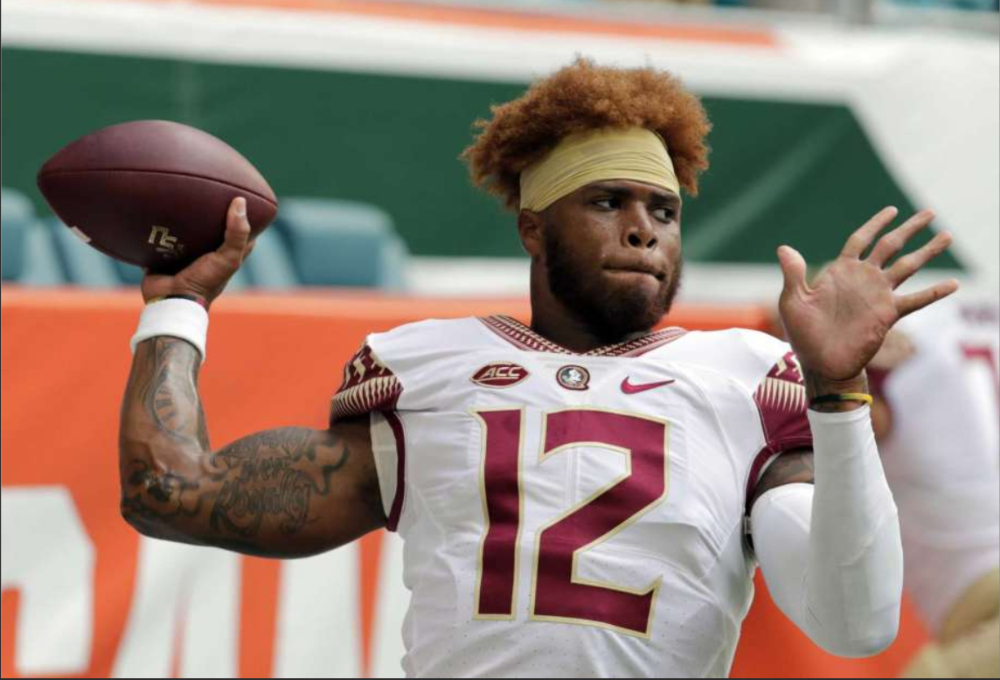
(639, 230)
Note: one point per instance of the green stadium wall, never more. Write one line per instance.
(782, 171)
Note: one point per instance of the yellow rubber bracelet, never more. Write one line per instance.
(846, 396)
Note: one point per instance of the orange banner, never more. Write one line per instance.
(85, 596)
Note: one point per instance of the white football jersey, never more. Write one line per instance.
(942, 459)
(573, 515)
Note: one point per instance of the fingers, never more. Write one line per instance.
(907, 304)
(237, 233)
(793, 267)
(908, 265)
(890, 244)
(863, 237)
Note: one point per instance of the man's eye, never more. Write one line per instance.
(665, 214)
(607, 203)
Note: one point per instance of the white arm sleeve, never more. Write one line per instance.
(831, 554)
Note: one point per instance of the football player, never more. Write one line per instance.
(937, 422)
(582, 495)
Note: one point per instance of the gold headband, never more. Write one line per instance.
(596, 156)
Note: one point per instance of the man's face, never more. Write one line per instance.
(613, 255)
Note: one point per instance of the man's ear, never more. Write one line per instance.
(531, 229)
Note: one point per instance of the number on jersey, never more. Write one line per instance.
(558, 593)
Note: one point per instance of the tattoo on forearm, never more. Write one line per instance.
(274, 475)
(171, 396)
(160, 496)
(267, 481)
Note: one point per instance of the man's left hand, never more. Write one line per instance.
(837, 323)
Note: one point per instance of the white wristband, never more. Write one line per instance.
(182, 319)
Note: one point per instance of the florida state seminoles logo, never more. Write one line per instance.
(574, 377)
(500, 374)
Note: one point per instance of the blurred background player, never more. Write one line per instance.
(937, 418)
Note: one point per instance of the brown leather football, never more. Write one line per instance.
(153, 193)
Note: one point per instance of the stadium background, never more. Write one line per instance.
(356, 112)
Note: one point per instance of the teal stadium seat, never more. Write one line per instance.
(84, 266)
(343, 243)
(128, 274)
(16, 214)
(395, 258)
(270, 265)
(29, 251)
(42, 267)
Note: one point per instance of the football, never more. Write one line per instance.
(153, 193)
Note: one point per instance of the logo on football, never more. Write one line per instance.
(501, 374)
(168, 245)
(575, 378)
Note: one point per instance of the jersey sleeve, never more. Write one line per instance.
(781, 400)
(405, 369)
(369, 386)
(392, 378)
(783, 408)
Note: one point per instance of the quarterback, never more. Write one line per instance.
(581, 495)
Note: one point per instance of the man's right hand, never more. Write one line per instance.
(207, 276)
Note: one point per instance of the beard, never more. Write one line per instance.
(610, 312)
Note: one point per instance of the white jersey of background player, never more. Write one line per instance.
(611, 492)
(942, 457)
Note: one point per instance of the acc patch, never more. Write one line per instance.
(500, 374)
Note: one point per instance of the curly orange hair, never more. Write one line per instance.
(582, 97)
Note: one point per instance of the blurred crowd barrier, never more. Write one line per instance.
(85, 596)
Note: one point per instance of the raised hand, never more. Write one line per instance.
(207, 276)
(837, 323)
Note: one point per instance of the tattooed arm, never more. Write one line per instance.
(283, 493)
(795, 467)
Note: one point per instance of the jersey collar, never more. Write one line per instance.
(523, 337)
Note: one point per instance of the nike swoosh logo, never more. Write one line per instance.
(629, 388)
